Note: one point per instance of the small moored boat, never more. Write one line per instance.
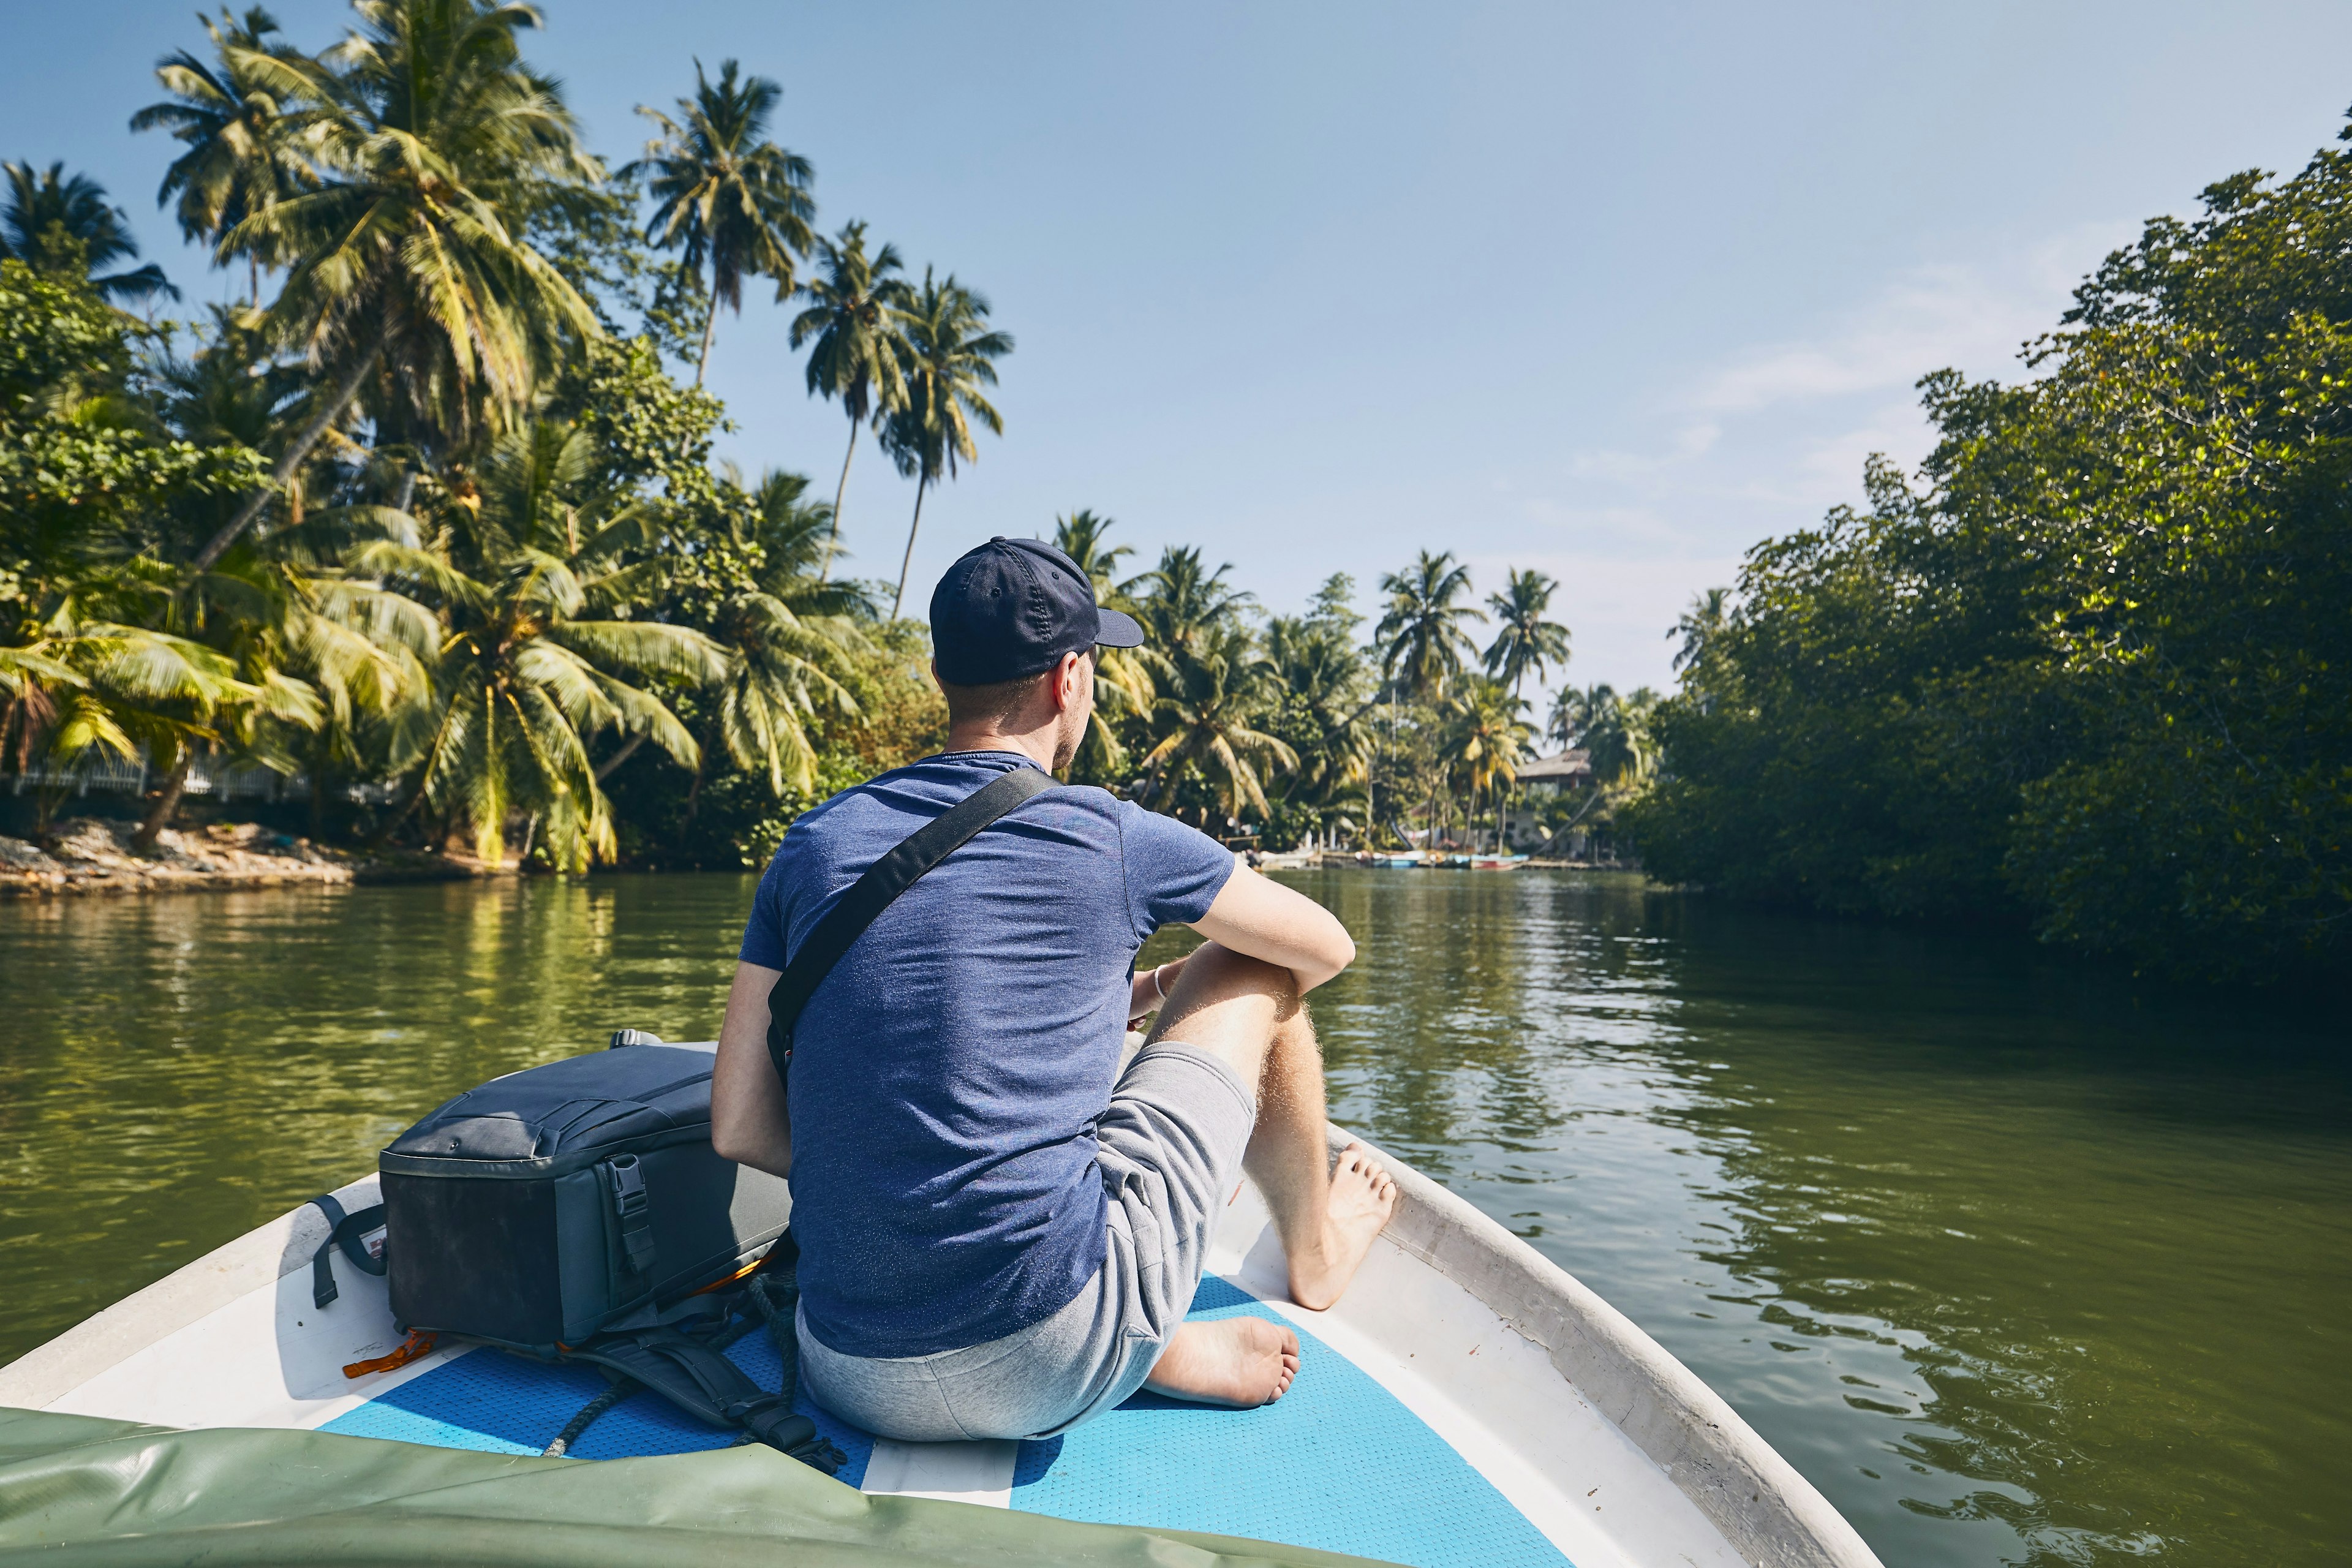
(1467, 1403)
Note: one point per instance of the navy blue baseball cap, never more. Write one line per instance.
(1013, 607)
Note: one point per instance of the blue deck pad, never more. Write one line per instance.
(503, 1404)
(1337, 1463)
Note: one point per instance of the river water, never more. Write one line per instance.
(2020, 1263)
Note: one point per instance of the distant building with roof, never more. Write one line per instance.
(1570, 770)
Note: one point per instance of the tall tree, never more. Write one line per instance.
(789, 636)
(240, 130)
(526, 675)
(1214, 693)
(1525, 643)
(1123, 688)
(949, 355)
(1423, 645)
(728, 198)
(66, 227)
(1322, 680)
(1083, 537)
(1485, 738)
(407, 268)
(1698, 624)
(853, 315)
(1180, 603)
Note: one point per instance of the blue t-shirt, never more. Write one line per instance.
(948, 1074)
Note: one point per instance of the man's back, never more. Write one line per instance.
(948, 1074)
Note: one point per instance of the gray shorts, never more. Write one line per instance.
(1171, 1148)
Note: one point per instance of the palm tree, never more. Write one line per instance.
(523, 682)
(1701, 621)
(1081, 537)
(1213, 693)
(1485, 738)
(949, 358)
(1613, 731)
(524, 678)
(430, 138)
(788, 640)
(1574, 713)
(726, 195)
(1526, 643)
(1123, 688)
(854, 318)
(1180, 603)
(57, 224)
(242, 136)
(1322, 679)
(93, 685)
(1423, 645)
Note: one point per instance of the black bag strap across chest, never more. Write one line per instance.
(872, 893)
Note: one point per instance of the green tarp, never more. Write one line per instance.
(75, 1490)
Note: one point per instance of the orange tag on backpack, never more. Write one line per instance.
(419, 1343)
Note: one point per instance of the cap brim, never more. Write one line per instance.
(1119, 630)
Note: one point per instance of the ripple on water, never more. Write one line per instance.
(2016, 1264)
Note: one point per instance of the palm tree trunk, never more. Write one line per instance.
(288, 462)
(253, 266)
(833, 533)
(628, 749)
(908, 558)
(150, 827)
(710, 325)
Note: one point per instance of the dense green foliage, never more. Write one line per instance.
(2093, 667)
(435, 526)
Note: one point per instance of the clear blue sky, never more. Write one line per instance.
(1613, 291)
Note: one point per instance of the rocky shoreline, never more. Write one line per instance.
(93, 854)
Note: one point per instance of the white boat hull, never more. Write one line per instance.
(1608, 1448)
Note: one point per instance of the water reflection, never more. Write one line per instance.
(2018, 1265)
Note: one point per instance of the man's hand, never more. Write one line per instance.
(750, 1122)
(1269, 921)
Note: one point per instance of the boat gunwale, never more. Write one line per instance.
(1771, 1515)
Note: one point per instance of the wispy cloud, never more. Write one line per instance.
(1970, 314)
(1765, 439)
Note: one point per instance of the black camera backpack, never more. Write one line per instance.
(577, 1211)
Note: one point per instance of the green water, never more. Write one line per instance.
(2018, 1263)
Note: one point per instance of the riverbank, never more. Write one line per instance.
(94, 855)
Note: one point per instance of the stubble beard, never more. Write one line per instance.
(1073, 731)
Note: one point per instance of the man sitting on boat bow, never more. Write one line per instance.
(1000, 1231)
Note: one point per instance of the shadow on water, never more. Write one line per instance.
(2017, 1262)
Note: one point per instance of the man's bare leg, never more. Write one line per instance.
(1248, 1013)
(1326, 1213)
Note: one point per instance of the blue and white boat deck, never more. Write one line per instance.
(1466, 1404)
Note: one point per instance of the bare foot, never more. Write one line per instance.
(1240, 1361)
(1363, 1198)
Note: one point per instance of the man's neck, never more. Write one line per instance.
(1037, 745)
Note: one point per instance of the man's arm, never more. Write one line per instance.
(750, 1122)
(1264, 919)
